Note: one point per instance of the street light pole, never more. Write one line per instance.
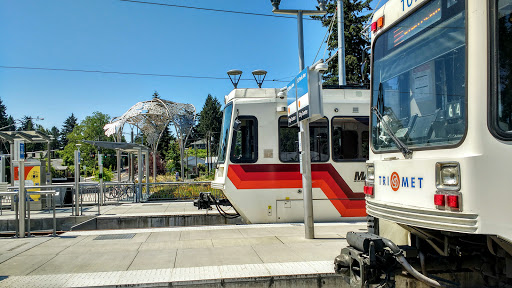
(305, 152)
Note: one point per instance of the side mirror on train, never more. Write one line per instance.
(363, 65)
(237, 124)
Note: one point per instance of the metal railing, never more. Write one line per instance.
(90, 194)
(13, 195)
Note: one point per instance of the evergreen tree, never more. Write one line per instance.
(11, 124)
(26, 124)
(4, 120)
(165, 143)
(210, 121)
(356, 15)
(69, 125)
(54, 133)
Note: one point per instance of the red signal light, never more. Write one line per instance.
(439, 199)
(453, 201)
(368, 190)
(374, 26)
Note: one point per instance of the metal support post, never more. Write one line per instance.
(305, 155)
(16, 209)
(21, 198)
(49, 172)
(12, 163)
(54, 219)
(154, 165)
(100, 166)
(305, 152)
(2, 168)
(182, 149)
(139, 176)
(129, 167)
(77, 183)
(118, 155)
(341, 45)
(28, 216)
(301, 40)
(147, 173)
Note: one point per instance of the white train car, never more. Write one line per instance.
(258, 162)
(441, 134)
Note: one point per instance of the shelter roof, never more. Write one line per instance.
(125, 147)
(27, 136)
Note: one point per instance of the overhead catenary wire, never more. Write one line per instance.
(328, 32)
(126, 73)
(211, 9)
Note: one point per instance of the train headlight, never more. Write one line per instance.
(448, 176)
(370, 174)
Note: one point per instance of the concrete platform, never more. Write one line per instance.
(121, 216)
(210, 256)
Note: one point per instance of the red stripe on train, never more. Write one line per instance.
(280, 176)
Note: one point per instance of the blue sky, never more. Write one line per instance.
(112, 35)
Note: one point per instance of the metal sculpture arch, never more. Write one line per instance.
(152, 118)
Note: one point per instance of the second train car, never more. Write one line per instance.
(258, 158)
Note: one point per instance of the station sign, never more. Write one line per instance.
(304, 97)
(19, 150)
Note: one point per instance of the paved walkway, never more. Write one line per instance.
(170, 256)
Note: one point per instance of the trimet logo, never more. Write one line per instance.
(396, 182)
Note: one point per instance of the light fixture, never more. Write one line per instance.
(321, 67)
(321, 4)
(233, 74)
(259, 76)
(275, 4)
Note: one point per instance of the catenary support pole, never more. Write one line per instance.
(305, 152)
(301, 40)
(341, 45)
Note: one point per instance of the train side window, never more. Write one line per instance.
(350, 139)
(289, 141)
(319, 140)
(244, 145)
(500, 110)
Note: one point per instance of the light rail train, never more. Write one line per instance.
(258, 162)
(441, 136)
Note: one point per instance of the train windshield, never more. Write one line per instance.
(224, 133)
(419, 79)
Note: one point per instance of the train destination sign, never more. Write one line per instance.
(304, 97)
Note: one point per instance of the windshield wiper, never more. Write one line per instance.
(401, 146)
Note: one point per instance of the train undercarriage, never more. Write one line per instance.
(433, 258)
